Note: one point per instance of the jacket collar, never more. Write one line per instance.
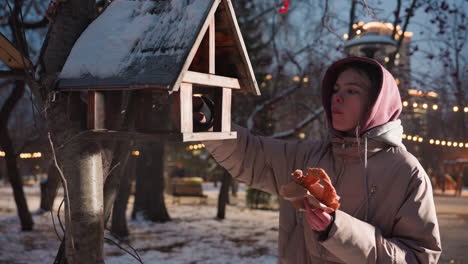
(378, 138)
(355, 147)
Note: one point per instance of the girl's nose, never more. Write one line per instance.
(337, 99)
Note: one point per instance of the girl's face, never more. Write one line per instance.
(349, 100)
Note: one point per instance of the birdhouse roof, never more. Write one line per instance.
(151, 44)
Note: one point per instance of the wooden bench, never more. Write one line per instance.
(182, 189)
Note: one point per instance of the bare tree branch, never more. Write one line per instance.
(65, 187)
(311, 117)
(39, 24)
(261, 107)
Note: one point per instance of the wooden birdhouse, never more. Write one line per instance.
(163, 53)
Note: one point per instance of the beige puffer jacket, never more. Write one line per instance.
(401, 225)
(387, 212)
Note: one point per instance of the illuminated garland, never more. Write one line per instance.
(25, 155)
(434, 107)
(438, 142)
(195, 147)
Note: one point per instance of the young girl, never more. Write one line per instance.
(387, 212)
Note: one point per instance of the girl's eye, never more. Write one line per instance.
(353, 92)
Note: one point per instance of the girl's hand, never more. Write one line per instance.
(318, 219)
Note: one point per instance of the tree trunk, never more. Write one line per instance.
(149, 197)
(10, 157)
(82, 163)
(80, 160)
(119, 212)
(234, 187)
(49, 189)
(121, 156)
(112, 182)
(17, 186)
(223, 197)
(5, 140)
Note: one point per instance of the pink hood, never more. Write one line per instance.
(387, 106)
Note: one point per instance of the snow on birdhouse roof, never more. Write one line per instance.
(141, 44)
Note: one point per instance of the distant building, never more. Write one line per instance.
(374, 40)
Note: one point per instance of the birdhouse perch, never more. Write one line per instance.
(165, 52)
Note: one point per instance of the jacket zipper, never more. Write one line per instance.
(373, 190)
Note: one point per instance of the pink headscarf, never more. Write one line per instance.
(386, 107)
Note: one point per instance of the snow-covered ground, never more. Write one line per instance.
(194, 235)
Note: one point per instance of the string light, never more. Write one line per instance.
(195, 147)
(136, 153)
(434, 106)
(436, 141)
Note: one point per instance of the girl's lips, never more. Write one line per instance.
(336, 112)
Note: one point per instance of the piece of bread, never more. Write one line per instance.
(318, 184)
